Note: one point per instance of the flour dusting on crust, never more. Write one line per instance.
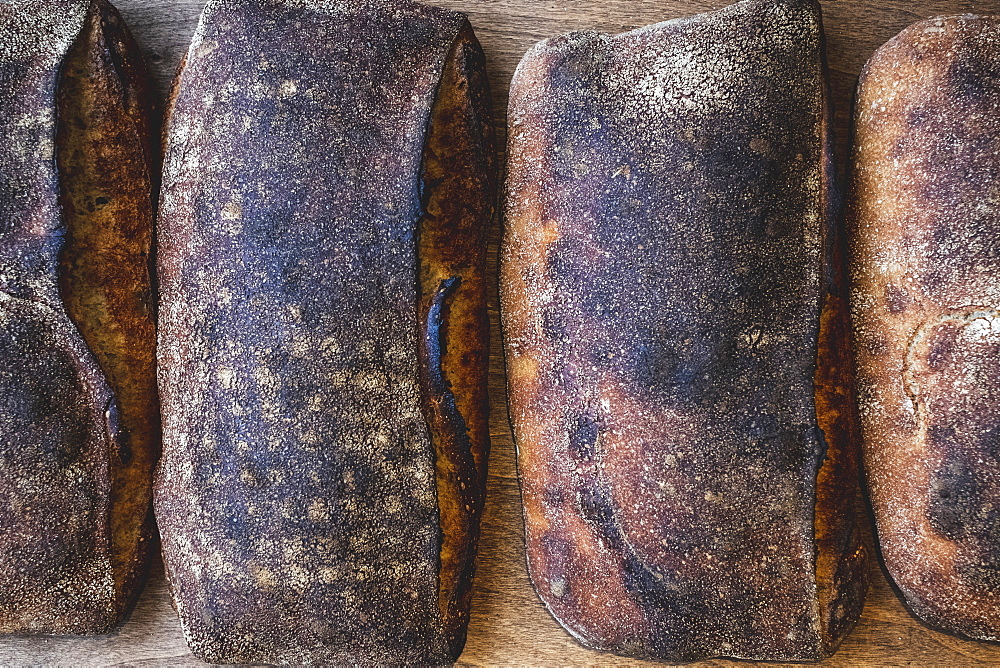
(296, 495)
(926, 308)
(662, 285)
(55, 570)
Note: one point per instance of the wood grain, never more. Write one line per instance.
(509, 624)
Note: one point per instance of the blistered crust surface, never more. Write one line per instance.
(55, 571)
(926, 309)
(296, 495)
(661, 290)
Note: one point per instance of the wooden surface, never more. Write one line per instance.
(509, 625)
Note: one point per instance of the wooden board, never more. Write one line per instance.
(509, 624)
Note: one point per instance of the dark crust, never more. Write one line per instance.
(56, 570)
(460, 189)
(843, 563)
(667, 292)
(926, 311)
(322, 263)
(66, 564)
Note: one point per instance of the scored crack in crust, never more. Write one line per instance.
(460, 190)
(676, 339)
(925, 300)
(323, 341)
(78, 392)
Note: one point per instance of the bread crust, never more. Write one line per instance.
(323, 339)
(669, 294)
(79, 435)
(925, 300)
(460, 191)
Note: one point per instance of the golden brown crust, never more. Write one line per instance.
(77, 328)
(459, 175)
(667, 296)
(842, 559)
(105, 160)
(926, 311)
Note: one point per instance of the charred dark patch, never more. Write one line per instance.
(971, 82)
(554, 325)
(897, 299)
(942, 436)
(954, 498)
(595, 507)
(657, 363)
(941, 347)
(563, 262)
(934, 278)
(979, 567)
(554, 496)
(583, 438)
(918, 117)
(674, 612)
(556, 549)
(989, 442)
(764, 426)
(942, 234)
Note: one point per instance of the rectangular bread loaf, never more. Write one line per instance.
(78, 409)
(926, 308)
(677, 351)
(328, 186)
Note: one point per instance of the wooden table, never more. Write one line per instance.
(509, 625)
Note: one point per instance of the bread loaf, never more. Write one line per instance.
(78, 407)
(676, 338)
(329, 181)
(926, 307)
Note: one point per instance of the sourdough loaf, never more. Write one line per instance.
(926, 308)
(329, 181)
(78, 407)
(676, 338)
